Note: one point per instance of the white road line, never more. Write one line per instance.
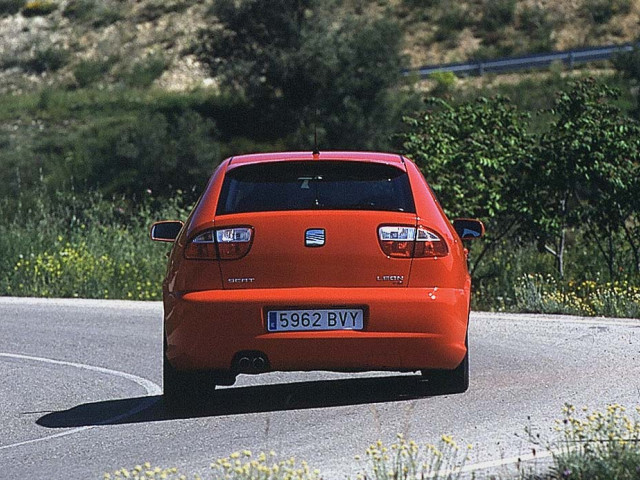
(151, 388)
(505, 461)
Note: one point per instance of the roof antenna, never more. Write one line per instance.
(316, 150)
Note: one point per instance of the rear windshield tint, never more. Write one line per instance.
(315, 185)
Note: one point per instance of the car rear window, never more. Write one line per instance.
(315, 185)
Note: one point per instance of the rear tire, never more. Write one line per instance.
(184, 389)
(450, 381)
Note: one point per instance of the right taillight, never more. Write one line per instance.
(411, 242)
(429, 244)
(223, 244)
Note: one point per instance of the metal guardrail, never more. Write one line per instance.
(540, 60)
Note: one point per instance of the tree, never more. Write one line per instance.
(470, 154)
(628, 64)
(299, 66)
(583, 171)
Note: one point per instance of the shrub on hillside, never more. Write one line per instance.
(38, 8)
(453, 19)
(47, 59)
(497, 14)
(601, 11)
(538, 26)
(87, 72)
(10, 7)
(98, 13)
(79, 9)
(145, 71)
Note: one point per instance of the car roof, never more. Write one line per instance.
(393, 159)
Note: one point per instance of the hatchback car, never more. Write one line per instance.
(340, 261)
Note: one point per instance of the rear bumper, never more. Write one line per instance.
(405, 329)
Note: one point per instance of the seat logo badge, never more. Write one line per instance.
(314, 237)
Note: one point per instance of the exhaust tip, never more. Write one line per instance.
(259, 363)
(250, 362)
(244, 364)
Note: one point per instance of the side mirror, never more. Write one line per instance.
(166, 231)
(468, 228)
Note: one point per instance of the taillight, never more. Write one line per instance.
(225, 244)
(397, 242)
(429, 244)
(203, 247)
(234, 243)
(411, 242)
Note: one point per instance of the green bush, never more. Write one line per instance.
(144, 72)
(48, 59)
(79, 9)
(97, 13)
(10, 7)
(453, 19)
(119, 140)
(87, 72)
(154, 9)
(601, 11)
(497, 14)
(538, 26)
(38, 8)
(444, 82)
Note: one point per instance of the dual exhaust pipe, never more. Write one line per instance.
(251, 362)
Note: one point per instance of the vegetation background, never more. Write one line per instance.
(114, 113)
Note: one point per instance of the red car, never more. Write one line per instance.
(339, 261)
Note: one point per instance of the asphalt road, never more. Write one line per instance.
(80, 394)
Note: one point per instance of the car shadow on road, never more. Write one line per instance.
(242, 400)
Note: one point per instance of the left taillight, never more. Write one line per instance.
(234, 243)
(224, 244)
(411, 242)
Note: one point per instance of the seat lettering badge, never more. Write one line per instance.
(314, 237)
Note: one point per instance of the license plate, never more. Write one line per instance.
(324, 319)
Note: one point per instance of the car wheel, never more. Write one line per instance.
(449, 381)
(184, 389)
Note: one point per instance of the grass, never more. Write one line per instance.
(402, 460)
(544, 294)
(82, 246)
(520, 278)
(590, 445)
(596, 445)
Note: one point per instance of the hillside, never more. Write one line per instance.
(78, 43)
